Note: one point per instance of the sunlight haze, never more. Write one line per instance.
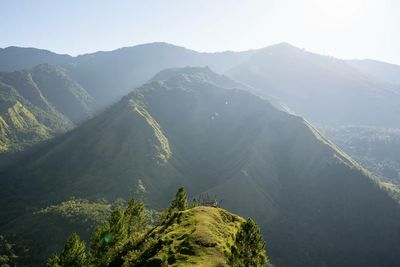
(344, 29)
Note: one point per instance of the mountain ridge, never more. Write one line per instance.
(50, 99)
(306, 195)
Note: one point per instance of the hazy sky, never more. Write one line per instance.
(341, 28)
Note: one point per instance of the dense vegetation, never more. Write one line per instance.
(314, 204)
(7, 255)
(182, 236)
(49, 227)
(37, 104)
(377, 149)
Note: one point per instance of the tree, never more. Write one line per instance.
(73, 255)
(135, 216)
(249, 248)
(118, 231)
(54, 261)
(179, 203)
(7, 255)
(99, 245)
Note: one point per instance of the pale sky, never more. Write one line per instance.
(341, 28)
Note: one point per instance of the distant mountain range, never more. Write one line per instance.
(384, 71)
(307, 84)
(225, 135)
(192, 127)
(325, 90)
(108, 76)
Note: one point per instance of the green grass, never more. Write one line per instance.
(200, 236)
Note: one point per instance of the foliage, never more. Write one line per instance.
(73, 255)
(7, 254)
(37, 104)
(249, 247)
(179, 203)
(188, 237)
(80, 211)
(135, 216)
(33, 245)
(375, 148)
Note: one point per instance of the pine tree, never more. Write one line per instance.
(100, 244)
(249, 248)
(73, 255)
(7, 255)
(107, 237)
(118, 231)
(54, 261)
(134, 216)
(179, 203)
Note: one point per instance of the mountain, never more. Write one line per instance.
(108, 76)
(49, 87)
(23, 124)
(199, 236)
(304, 83)
(325, 90)
(315, 205)
(384, 71)
(38, 103)
(17, 58)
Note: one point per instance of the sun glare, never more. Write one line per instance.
(337, 12)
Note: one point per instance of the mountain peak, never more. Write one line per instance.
(283, 46)
(188, 70)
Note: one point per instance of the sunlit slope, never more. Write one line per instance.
(314, 204)
(38, 103)
(50, 87)
(23, 124)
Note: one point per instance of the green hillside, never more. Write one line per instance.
(50, 87)
(73, 215)
(23, 124)
(37, 104)
(314, 204)
(181, 236)
(199, 236)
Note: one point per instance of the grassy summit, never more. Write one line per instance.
(179, 236)
(200, 236)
